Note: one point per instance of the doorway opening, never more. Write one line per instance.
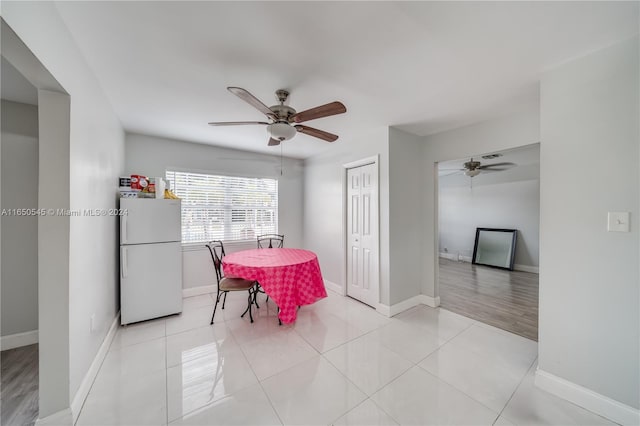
(19, 202)
(49, 264)
(499, 190)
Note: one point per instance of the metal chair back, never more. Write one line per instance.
(270, 241)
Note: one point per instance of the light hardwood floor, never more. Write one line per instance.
(503, 299)
(19, 384)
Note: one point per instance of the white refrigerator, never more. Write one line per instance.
(150, 259)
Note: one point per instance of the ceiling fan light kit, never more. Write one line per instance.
(281, 131)
(283, 120)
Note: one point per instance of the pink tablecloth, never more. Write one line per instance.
(291, 277)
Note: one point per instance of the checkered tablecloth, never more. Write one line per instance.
(291, 277)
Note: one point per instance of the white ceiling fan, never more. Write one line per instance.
(284, 121)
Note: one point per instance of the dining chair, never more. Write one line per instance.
(270, 241)
(225, 285)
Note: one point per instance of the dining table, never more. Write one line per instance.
(291, 277)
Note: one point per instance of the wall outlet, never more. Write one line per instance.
(92, 323)
(618, 222)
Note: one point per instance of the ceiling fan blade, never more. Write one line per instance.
(327, 110)
(235, 123)
(273, 142)
(251, 100)
(320, 134)
(491, 169)
(496, 164)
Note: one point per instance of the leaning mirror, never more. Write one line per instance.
(495, 247)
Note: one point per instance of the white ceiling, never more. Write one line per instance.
(15, 87)
(422, 66)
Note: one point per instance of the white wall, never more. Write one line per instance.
(96, 159)
(512, 205)
(152, 156)
(324, 203)
(406, 177)
(589, 278)
(520, 128)
(19, 179)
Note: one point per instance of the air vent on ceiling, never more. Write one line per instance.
(491, 156)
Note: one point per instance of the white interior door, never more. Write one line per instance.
(362, 234)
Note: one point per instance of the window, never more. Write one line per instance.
(225, 208)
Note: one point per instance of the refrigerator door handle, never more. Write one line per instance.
(124, 262)
(123, 230)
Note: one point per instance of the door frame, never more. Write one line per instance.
(375, 161)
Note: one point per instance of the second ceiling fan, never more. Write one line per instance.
(284, 121)
(473, 168)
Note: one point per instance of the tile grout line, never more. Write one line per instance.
(260, 384)
(166, 374)
(516, 389)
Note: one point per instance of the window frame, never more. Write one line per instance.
(198, 244)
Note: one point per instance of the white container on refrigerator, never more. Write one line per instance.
(150, 259)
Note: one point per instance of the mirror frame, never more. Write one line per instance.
(514, 238)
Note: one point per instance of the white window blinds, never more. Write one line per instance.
(225, 208)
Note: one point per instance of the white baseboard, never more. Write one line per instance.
(61, 418)
(588, 399)
(384, 310)
(421, 299)
(432, 302)
(19, 339)
(449, 256)
(197, 291)
(516, 267)
(336, 288)
(527, 268)
(87, 381)
(405, 305)
(456, 257)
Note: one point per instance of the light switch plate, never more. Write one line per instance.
(618, 222)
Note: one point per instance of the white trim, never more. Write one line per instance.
(456, 257)
(405, 305)
(62, 417)
(197, 291)
(336, 288)
(588, 399)
(362, 162)
(19, 339)
(384, 310)
(87, 381)
(421, 299)
(432, 302)
(516, 267)
(526, 268)
(449, 256)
